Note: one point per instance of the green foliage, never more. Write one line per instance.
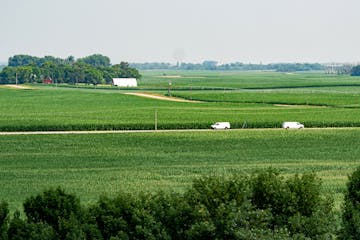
(8, 75)
(96, 60)
(94, 69)
(351, 208)
(355, 71)
(4, 218)
(295, 204)
(55, 208)
(264, 205)
(20, 229)
(221, 208)
(298, 195)
(126, 217)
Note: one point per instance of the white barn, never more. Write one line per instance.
(124, 82)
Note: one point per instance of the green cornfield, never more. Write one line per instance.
(94, 164)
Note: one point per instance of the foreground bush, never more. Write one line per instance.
(4, 217)
(351, 209)
(262, 206)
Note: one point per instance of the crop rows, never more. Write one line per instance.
(244, 80)
(90, 165)
(271, 97)
(79, 109)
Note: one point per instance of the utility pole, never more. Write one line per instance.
(155, 119)
(169, 88)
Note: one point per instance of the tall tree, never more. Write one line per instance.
(96, 60)
(22, 60)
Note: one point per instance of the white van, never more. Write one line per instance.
(221, 125)
(294, 125)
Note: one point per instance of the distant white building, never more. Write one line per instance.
(124, 82)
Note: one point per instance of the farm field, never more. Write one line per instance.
(325, 99)
(91, 165)
(316, 99)
(95, 164)
(68, 109)
(244, 80)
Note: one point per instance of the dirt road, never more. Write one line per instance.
(160, 97)
(17, 86)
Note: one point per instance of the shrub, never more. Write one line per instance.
(295, 204)
(266, 204)
(54, 207)
(351, 208)
(4, 218)
(20, 229)
(126, 217)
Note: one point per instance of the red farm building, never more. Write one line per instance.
(47, 81)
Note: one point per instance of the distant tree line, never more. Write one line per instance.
(213, 65)
(355, 71)
(93, 69)
(339, 69)
(264, 205)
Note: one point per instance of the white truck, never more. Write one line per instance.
(221, 125)
(292, 125)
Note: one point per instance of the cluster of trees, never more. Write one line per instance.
(262, 206)
(93, 69)
(213, 65)
(355, 71)
(339, 69)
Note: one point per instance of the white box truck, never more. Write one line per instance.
(221, 125)
(292, 125)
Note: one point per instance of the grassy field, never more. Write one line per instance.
(50, 108)
(244, 80)
(91, 165)
(330, 99)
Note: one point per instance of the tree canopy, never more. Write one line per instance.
(355, 71)
(96, 60)
(264, 205)
(94, 69)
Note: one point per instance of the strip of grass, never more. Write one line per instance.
(91, 165)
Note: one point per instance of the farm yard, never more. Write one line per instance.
(91, 165)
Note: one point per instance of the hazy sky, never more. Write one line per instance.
(186, 30)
